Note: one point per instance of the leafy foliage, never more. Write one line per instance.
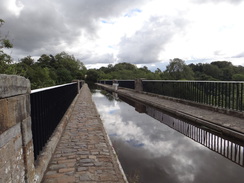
(48, 70)
(5, 59)
(175, 70)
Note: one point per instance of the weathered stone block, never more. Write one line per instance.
(9, 135)
(4, 171)
(5, 152)
(13, 110)
(18, 142)
(12, 85)
(29, 162)
(17, 166)
(12, 163)
(26, 131)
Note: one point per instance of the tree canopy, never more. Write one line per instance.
(50, 70)
(5, 59)
(177, 69)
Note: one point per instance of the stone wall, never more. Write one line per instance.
(16, 146)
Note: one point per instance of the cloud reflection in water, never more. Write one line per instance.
(158, 153)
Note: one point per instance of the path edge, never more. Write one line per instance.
(114, 154)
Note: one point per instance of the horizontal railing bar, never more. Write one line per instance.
(51, 87)
(119, 80)
(191, 81)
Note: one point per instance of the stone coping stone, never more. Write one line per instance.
(12, 85)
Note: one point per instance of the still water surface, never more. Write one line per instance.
(152, 152)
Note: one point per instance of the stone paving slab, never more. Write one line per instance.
(227, 124)
(84, 153)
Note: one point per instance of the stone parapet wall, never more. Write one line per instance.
(16, 146)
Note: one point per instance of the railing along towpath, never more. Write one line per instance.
(227, 95)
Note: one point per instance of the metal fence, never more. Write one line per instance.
(106, 82)
(224, 94)
(48, 106)
(122, 83)
(127, 83)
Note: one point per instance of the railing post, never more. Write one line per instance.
(138, 85)
(115, 84)
(78, 85)
(16, 144)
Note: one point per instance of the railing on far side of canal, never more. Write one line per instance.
(48, 106)
(122, 83)
(222, 94)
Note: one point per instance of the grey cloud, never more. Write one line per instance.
(43, 26)
(145, 46)
(240, 55)
(85, 13)
(38, 26)
(218, 1)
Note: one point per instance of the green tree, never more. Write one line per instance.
(45, 61)
(238, 77)
(63, 76)
(213, 71)
(5, 59)
(75, 67)
(124, 66)
(226, 70)
(92, 76)
(177, 69)
(222, 64)
(158, 71)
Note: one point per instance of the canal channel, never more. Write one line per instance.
(154, 147)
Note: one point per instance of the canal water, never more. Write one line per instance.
(154, 147)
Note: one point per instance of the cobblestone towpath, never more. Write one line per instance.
(84, 153)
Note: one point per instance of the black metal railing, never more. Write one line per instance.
(48, 106)
(106, 82)
(223, 94)
(122, 83)
(222, 145)
(127, 84)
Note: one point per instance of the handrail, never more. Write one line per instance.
(48, 106)
(49, 88)
(226, 95)
(193, 81)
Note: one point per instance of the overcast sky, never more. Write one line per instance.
(142, 32)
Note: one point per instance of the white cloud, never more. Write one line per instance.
(15, 6)
(140, 32)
